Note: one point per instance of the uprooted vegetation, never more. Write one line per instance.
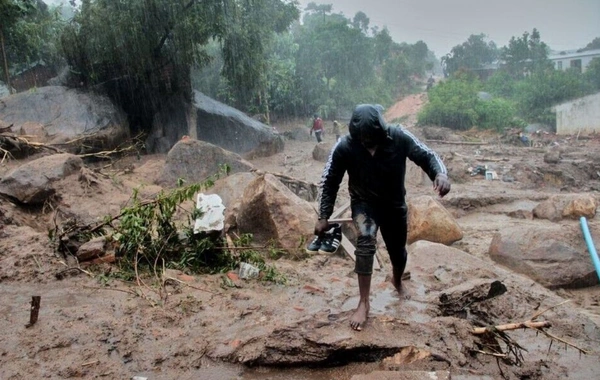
(149, 236)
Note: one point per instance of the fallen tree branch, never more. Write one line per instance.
(512, 326)
(547, 309)
(553, 337)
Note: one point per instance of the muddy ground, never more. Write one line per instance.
(95, 326)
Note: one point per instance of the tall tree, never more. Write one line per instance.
(472, 54)
(142, 51)
(525, 55)
(10, 13)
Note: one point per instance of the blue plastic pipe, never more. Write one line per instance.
(590, 244)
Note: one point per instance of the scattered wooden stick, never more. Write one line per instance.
(188, 285)
(545, 310)
(35, 310)
(553, 337)
(512, 326)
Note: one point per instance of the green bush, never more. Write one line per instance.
(536, 94)
(495, 114)
(452, 104)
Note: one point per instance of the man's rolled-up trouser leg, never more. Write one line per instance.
(365, 253)
(366, 242)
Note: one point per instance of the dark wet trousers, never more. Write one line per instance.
(393, 223)
(318, 136)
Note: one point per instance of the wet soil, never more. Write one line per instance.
(94, 326)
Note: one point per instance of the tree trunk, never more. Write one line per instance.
(5, 61)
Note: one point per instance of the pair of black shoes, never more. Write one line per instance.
(329, 242)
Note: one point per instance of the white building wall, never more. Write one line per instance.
(579, 115)
(563, 63)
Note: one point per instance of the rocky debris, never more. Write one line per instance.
(305, 190)
(403, 375)
(231, 129)
(57, 115)
(231, 188)
(552, 157)
(31, 183)
(572, 206)
(321, 151)
(554, 256)
(272, 212)
(429, 220)
(195, 161)
(92, 249)
(459, 300)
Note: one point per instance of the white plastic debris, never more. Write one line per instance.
(248, 271)
(212, 218)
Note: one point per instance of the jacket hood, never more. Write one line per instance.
(367, 119)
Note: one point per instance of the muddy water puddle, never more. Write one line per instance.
(409, 306)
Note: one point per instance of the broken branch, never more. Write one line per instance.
(512, 326)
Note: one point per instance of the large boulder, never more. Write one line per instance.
(231, 188)
(31, 183)
(553, 255)
(572, 206)
(321, 151)
(429, 220)
(196, 161)
(231, 129)
(56, 115)
(272, 212)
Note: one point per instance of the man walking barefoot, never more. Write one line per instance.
(374, 156)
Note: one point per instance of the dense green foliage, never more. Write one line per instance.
(525, 55)
(525, 88)
(327, 65)
(473, 54)
(142, 51)
(452, 103)
(28, 34)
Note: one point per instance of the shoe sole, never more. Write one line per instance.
(326, 253)
(311, 252)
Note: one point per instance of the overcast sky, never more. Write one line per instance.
(443, 24)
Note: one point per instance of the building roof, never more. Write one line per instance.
(574, 54)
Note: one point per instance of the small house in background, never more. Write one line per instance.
(36, 75)
(578, 116)
(578, 60)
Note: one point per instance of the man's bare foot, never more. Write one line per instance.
(359, 318)
(397, 278)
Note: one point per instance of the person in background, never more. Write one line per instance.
(317, 127)
(337, 127)
(374, 156)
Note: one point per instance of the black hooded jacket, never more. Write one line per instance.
(378, 179)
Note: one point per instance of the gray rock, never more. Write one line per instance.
(196, 161)
(58, 114)
(231, 129)
(555, 256)
(31, 183)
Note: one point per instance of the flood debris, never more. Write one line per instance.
(35, 310)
